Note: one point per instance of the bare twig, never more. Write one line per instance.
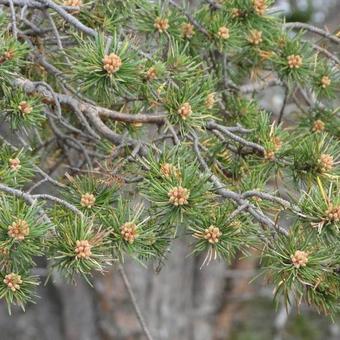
(134, 302)
(13, 18)
(199, 27)
(285, 100)
(69, 18)
(313, 29)
(228, 133)
(30, 198)
(326, 53)
(237, 198)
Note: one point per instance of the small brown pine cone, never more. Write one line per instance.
(255, 37)
(326, 162)
(236, 13)
(223, 33)
(87, 200)
(112, 63)
(18, 230)
(188, 30)
(333, 213)
(73, 3)
(178, 196)
(129, 232)
(14, 164)
(168, 169)
(4, 251)
(151, 74)
(260, 6)
(294, 61)
(13, 281)
(210, 101)
(299, 259)
(185, 111)
(83, 249)
(325, 81)
(212, 234)
(277, 143)
(265, 55)
(269, 155)
(318, 126)
(161, 24)
(25, 108)
(9, 55)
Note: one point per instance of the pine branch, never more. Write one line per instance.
(259, 216)
(313, 29)
(31, 198)
(14, 21)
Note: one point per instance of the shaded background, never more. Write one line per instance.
(181, 302)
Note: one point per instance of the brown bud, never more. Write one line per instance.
(178, 196)
(188, 30)
(299, 259)
(212, 234)
(333, 213)
(326, 162)
(87, 200)
(112, 63)
(185, 111)
(13, 281)
(161, 24)
(260, 6)
(223, 33)
(210, 101)
(25, 108)
(294, 61)
(151, 74)
(14, 164)
(255, 37)
(83, 249)
(129, 232)
(318, 126)
(18, 230)
(325, 81)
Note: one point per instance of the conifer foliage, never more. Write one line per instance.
(150, 112)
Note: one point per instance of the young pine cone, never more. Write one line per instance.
(255, 37)
(326, 162)
(260, 6)
(14, 164)
(112, 63)
(333, 213)
(188, 30)
(25, 108)
(294, 61)
(185, 111)
(87, 200)
(161, 25)
(129, 232)
(212, 234)
(318, 126)
(223, 33)
(83, 249)
(178, 196)
(13, 281)
(18, 230)
(299, 259)
(325, 81)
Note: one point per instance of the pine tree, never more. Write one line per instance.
(155, 108)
